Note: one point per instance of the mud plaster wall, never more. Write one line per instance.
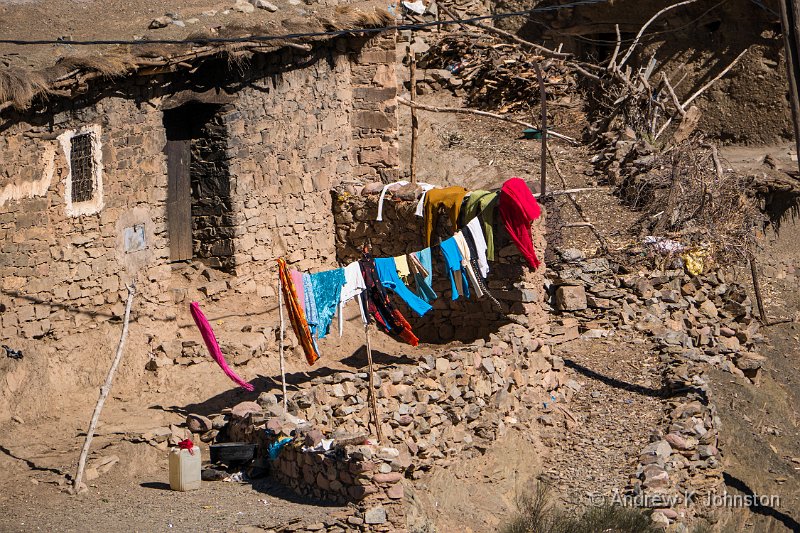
(294, 131)
(518, 288)
(693, 43)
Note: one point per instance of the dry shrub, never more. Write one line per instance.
(685, 196)
(21, 86)
(536, 514)
(347, 17)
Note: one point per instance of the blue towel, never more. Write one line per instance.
(311, 310)
(424, 284)
(452, 258)
(327, 288)
(387, 273)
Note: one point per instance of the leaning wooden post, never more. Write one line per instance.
(543, 98)
(372, 401)
(280, 347)
(412, 63)
(757, 287)
(104, 390)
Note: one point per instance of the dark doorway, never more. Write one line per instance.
(200, 220)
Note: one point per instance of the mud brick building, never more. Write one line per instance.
(226, 158)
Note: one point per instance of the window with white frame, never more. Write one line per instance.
(84, 182)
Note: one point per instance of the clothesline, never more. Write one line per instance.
(314, 299)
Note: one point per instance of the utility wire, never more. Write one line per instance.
(334, 33)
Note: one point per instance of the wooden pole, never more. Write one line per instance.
(372, 401)
(757, 287)
(467, 111)
(104, 390)
(543, 98)
(790, 20)
(412, 63)
(280, 348)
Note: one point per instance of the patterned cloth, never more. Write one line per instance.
(378, 305)
(296, 315)
(327, 290)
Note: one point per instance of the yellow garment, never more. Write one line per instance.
(450, 198)
(693, 261)
(401, 263)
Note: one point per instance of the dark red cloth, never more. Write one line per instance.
(518, 208)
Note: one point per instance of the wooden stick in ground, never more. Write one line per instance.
(412, 63)
(757, 287)
(577, 206)
(104, 390)
(373, 403)
(280, 348)
(543, 98)
(467, 111)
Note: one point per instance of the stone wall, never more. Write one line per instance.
(287, 119)
(519, 290)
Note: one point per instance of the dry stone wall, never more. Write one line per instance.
(519, 290)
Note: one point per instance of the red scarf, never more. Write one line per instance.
(518, 208)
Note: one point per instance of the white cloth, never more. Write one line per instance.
(476, 230)
(463, 247)
(394, 185)
(353, 286)
(421, 204)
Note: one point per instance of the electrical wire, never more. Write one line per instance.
(307, 35)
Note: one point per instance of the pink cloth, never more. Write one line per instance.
(297, 279)
(213, 346)
(518, 208)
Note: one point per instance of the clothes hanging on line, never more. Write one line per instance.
(387, 273)
(401, 264)
(213, 346)
(422, 270)
(420, 211)
(458, 278)
(353, 287)
(377, 303)
(312, 317)
(518, 208)
(395, 185)
(450, 198)
(466, 265)
(327, 287)
(296, 314)
(297, 279)
(475, 233)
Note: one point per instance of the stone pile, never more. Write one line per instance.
(692, 321)
(706, 318)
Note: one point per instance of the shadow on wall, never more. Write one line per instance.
(213, 405)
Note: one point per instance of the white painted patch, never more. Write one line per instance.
(95, 205)
(29, 189)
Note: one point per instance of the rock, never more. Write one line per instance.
(705, 451)
(660, 449)
(209, 435)
(263, 4)
(487, 365)
(572, 255)
(212, 474)
(396, 491)
(677, 442)
(160, 434)
(659, 519)
(243, 6)
(750, 361)
(242, 409)
(198, 423)
(267, 399)
(442, 365)
(570, 298)
(375, 515)
(160, 22)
